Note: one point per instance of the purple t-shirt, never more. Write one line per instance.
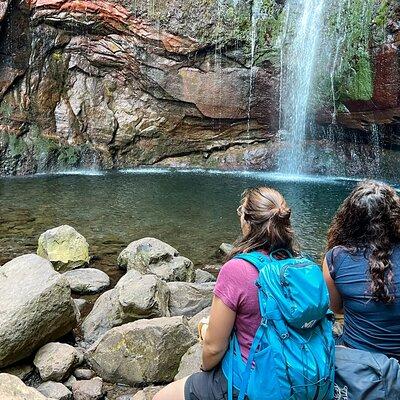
(236, 288)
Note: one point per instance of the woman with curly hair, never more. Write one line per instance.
(362, 268)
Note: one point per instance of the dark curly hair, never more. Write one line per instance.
(369, 220)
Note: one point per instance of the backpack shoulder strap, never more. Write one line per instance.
(256, 258)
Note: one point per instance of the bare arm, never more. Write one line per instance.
(217, 336)
(336, 302)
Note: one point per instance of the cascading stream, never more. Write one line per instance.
(304, 23)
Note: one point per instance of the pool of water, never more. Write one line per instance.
(194, 211)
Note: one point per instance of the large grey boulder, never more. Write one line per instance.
(189, 298)
(12, 388)
(64, 247)
(106, 314)
(87, 280)
(55, 390)
(35, 307)
(152, 256)
(190, 362)
(136, 296)
(55, 361)
(88, 390)
(142, 352)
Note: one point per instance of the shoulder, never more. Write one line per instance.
(237, 267)
(335, 258)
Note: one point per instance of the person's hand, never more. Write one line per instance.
(202, 327)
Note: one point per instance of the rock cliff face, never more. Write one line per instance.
(117, 84)
(94, 82)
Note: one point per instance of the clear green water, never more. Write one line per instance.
(194, 212)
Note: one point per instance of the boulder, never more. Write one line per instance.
(80, 304)
(202, 276)
(147, 393)
(22, 370)
(149, 255)
(225, 248)
(64, 247)
(87, 280)
(106, 314)
(35, 307)
(189, 298)
(55, 390)
(142, 296)
(142, 352)
(55, 361)
(194, 321)
(135, 297)
(88, 390)
(84, 373)
(69, 382)
(190, 362)
(12, 388)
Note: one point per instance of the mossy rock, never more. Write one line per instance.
(64, 247)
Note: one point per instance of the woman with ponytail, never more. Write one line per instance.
(362, 268)
(266, 227)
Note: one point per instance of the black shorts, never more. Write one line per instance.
(210, 385)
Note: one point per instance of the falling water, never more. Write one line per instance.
(376, 148)
(255, 16)
(305, 21)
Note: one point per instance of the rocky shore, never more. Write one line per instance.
(139, 335)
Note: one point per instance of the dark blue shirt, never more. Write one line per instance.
(368, 324)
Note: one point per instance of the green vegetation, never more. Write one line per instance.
(16, 146)
(355, 26)
(69, 156)
(6, 112)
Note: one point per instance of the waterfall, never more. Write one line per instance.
(255, 16)
(304, 23)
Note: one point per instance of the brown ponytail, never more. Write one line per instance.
(268, 217)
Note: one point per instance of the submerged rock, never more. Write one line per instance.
(55, 361)
(35, 307)
(87, 280)
(226, 248)
(189, 298)
(142, 352)
(12, 388)
(88, 390)
(190, 362)
(55, 390)
(135, 297)
(149, 255)
(64, 247)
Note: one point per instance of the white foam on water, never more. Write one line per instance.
(259, 175)
(80, 172)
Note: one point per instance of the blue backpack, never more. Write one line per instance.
(292, 356)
